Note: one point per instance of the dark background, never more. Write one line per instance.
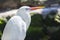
(40, 29)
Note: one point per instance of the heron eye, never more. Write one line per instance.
(27, 8)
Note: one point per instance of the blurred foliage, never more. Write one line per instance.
(43, 29)
(57, 18)
(35, 31)
(40, 29)
(2, 25)
(13, 4)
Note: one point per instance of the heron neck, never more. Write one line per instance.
(26, 17)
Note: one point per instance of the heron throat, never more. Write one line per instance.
(25, 16)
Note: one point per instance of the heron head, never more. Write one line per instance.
(27, 8)
(24, 8)
(24, 13)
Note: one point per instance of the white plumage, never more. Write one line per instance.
(14, 30)
(17, 26)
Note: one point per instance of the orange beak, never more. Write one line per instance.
(39, 7)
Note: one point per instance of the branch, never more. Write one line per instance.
(8, 13)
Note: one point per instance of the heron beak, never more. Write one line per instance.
(35, 8)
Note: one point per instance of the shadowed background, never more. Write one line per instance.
(40, 29)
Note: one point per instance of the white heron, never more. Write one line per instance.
(17, 26)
